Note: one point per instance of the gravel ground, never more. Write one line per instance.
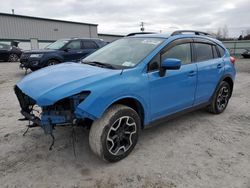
(195, 150)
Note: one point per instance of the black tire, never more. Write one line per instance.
(33, 69)
(220, 99)
(53, 62)
(13, 58)
(115, 134)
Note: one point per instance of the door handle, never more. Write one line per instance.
(191, 73)
(219, 66)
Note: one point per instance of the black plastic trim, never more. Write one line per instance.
(177, 114)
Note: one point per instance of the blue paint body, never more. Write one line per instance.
(191, 85)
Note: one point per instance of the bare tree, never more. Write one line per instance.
(247, 36)
(225, 32)
(219, 33)
(248, 32)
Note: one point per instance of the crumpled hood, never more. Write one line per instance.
(48, 85)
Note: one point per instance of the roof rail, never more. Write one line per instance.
(181, 32)
(139, 33)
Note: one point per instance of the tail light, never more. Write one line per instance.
(232, 59)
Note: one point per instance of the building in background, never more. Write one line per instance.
(35, 32)
(109, 37)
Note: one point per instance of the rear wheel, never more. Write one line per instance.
(220, 99)
(115, 134)
(13, 58)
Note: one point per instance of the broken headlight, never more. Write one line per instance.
(63, 110)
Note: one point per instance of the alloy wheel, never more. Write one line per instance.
(119, 137)
(222, 98)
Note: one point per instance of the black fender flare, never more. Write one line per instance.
(224, 77)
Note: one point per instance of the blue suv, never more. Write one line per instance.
(129, 84)
(62, 50)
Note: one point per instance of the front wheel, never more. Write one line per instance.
(53, 62)
(33, 69)
(115, 134)
(220, 99)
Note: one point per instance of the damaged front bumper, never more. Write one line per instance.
(60, 113)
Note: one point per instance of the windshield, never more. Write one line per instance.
(57, 45)
(126, 52)
(4, 47)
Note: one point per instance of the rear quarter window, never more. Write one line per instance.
(215, 52)
(203, 51)
(221, 50)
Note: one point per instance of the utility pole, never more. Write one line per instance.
(142, 26)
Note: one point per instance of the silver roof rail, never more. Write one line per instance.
(139, 33)
(181, 32)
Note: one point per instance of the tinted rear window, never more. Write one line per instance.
(203, 51)
(89, 45)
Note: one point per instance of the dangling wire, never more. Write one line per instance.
(28, 127)
(73, 139)
(53, 141)
(25, 132)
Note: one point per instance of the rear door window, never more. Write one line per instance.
(203, 51)
(89, 45)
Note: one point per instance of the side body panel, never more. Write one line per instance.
(209, 75)
(173, 92)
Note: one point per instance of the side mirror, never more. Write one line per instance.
(169, 64)
(67, 49)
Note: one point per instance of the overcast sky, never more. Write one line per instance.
(122, 17)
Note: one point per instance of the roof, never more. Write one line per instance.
(45, 19)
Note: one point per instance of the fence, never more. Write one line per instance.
(236, 47)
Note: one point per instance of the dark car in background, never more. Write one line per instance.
(9, 53)
(62, 50)
(246, 53)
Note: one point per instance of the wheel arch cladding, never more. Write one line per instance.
(55, 59)
(230, 82)
(134, 104)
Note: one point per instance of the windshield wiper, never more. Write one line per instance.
(99, 64)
